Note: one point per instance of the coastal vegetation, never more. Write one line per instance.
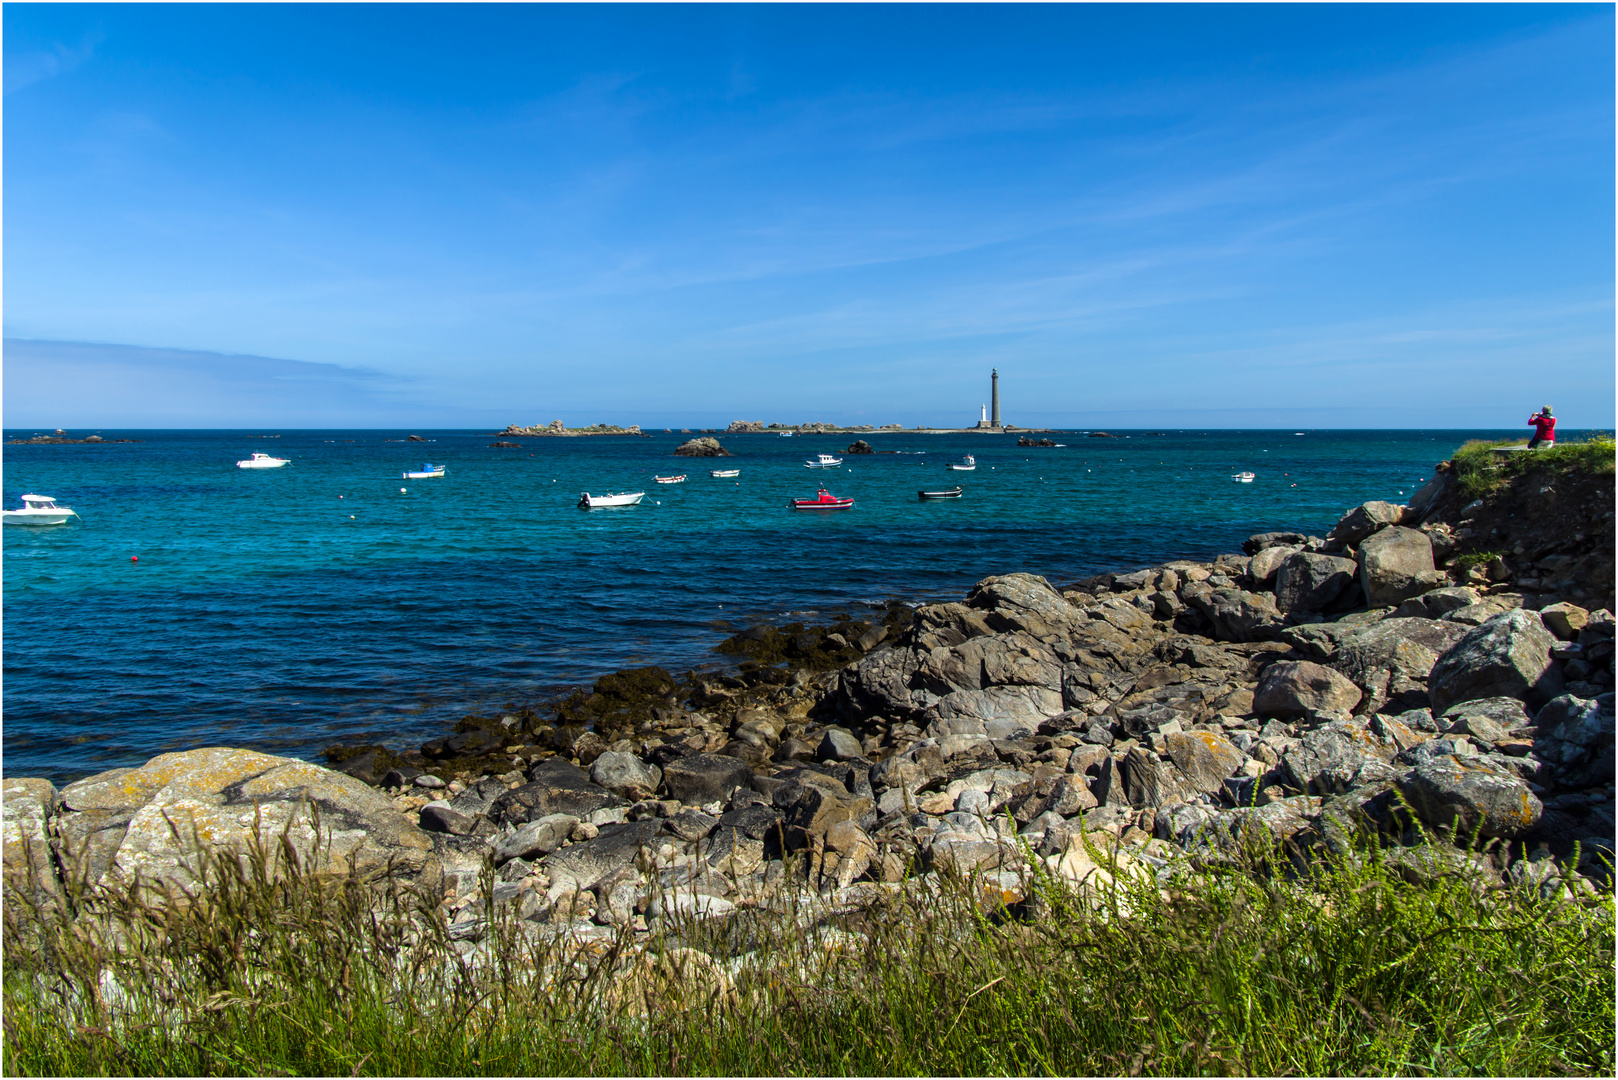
(1481, 469)
(1353, 964)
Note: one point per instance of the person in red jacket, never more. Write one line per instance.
(1544, 425)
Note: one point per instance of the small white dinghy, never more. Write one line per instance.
(725, 472)
(262, 461)
(823, 461)
(966, 464)
(588, 501)
(680, 479)
(1244, 477)
(37, 510)
(427, 471)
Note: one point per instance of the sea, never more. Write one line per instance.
(193, 603)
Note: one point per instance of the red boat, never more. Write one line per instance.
(825, 500)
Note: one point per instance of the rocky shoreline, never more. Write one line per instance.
(1436, 679)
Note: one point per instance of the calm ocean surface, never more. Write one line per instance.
(287, 609)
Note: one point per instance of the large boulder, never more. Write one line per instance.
(1306, 581)
(1396, 564)
(1026, 603)
(1261, 569)
(1364, 520)
(1301, 688)
(1236, 615)
(1391, 659)
(154, 824)
(1508, 656)
(1450, 793)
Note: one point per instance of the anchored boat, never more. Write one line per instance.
(427, 472)
(1243, 477)
(262, 461)
(966, 464)
(588, 501)
(950, 493)
(823, 461)
(670, 479)
(37, 510)
(824, 500)
(725, 472)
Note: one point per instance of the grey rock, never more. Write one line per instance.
(442, 816)
(1508, 656)
(535, 839)
(691, 824)
(1396, 564)
(615, 848)
(704, 778)
(1148, 782)
(1204, 759)
(1508, 713)
(557, 788)
(1309, 582)
(1390, 660)
(30, 865)
(1456, 795)
(1576, 737)
(1235, 615)
(1261, 570)
(838, 745)
(1300, 688)
(151, 822)
(626, 775)
(1331, 758)
(1363, 521)
(1435, 603)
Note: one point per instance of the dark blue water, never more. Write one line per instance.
(286, 609)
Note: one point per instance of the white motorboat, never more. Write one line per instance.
(966, 464)
(262, 461)
(588, 501)
(427, 471)
(823, 461)
(725, 472)
(680, 479)
(786, 434)
(1243, 477)
(37, 510)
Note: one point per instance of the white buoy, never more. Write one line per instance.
(401, 491)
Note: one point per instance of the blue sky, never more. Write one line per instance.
(1194, 215)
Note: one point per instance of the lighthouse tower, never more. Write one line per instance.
(994, 398)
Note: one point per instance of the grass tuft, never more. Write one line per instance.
(1340, 967)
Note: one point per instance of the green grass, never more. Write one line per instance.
(1480, 471)
(1343, 968)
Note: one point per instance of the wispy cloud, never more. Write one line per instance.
(37, 65)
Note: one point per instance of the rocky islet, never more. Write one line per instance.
(1305, 691)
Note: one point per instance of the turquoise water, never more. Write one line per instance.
(285, 609)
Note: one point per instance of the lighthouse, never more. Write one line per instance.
(994, 398)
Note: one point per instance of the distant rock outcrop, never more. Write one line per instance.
(701, 447)
(1026, 441)
(859, 446)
